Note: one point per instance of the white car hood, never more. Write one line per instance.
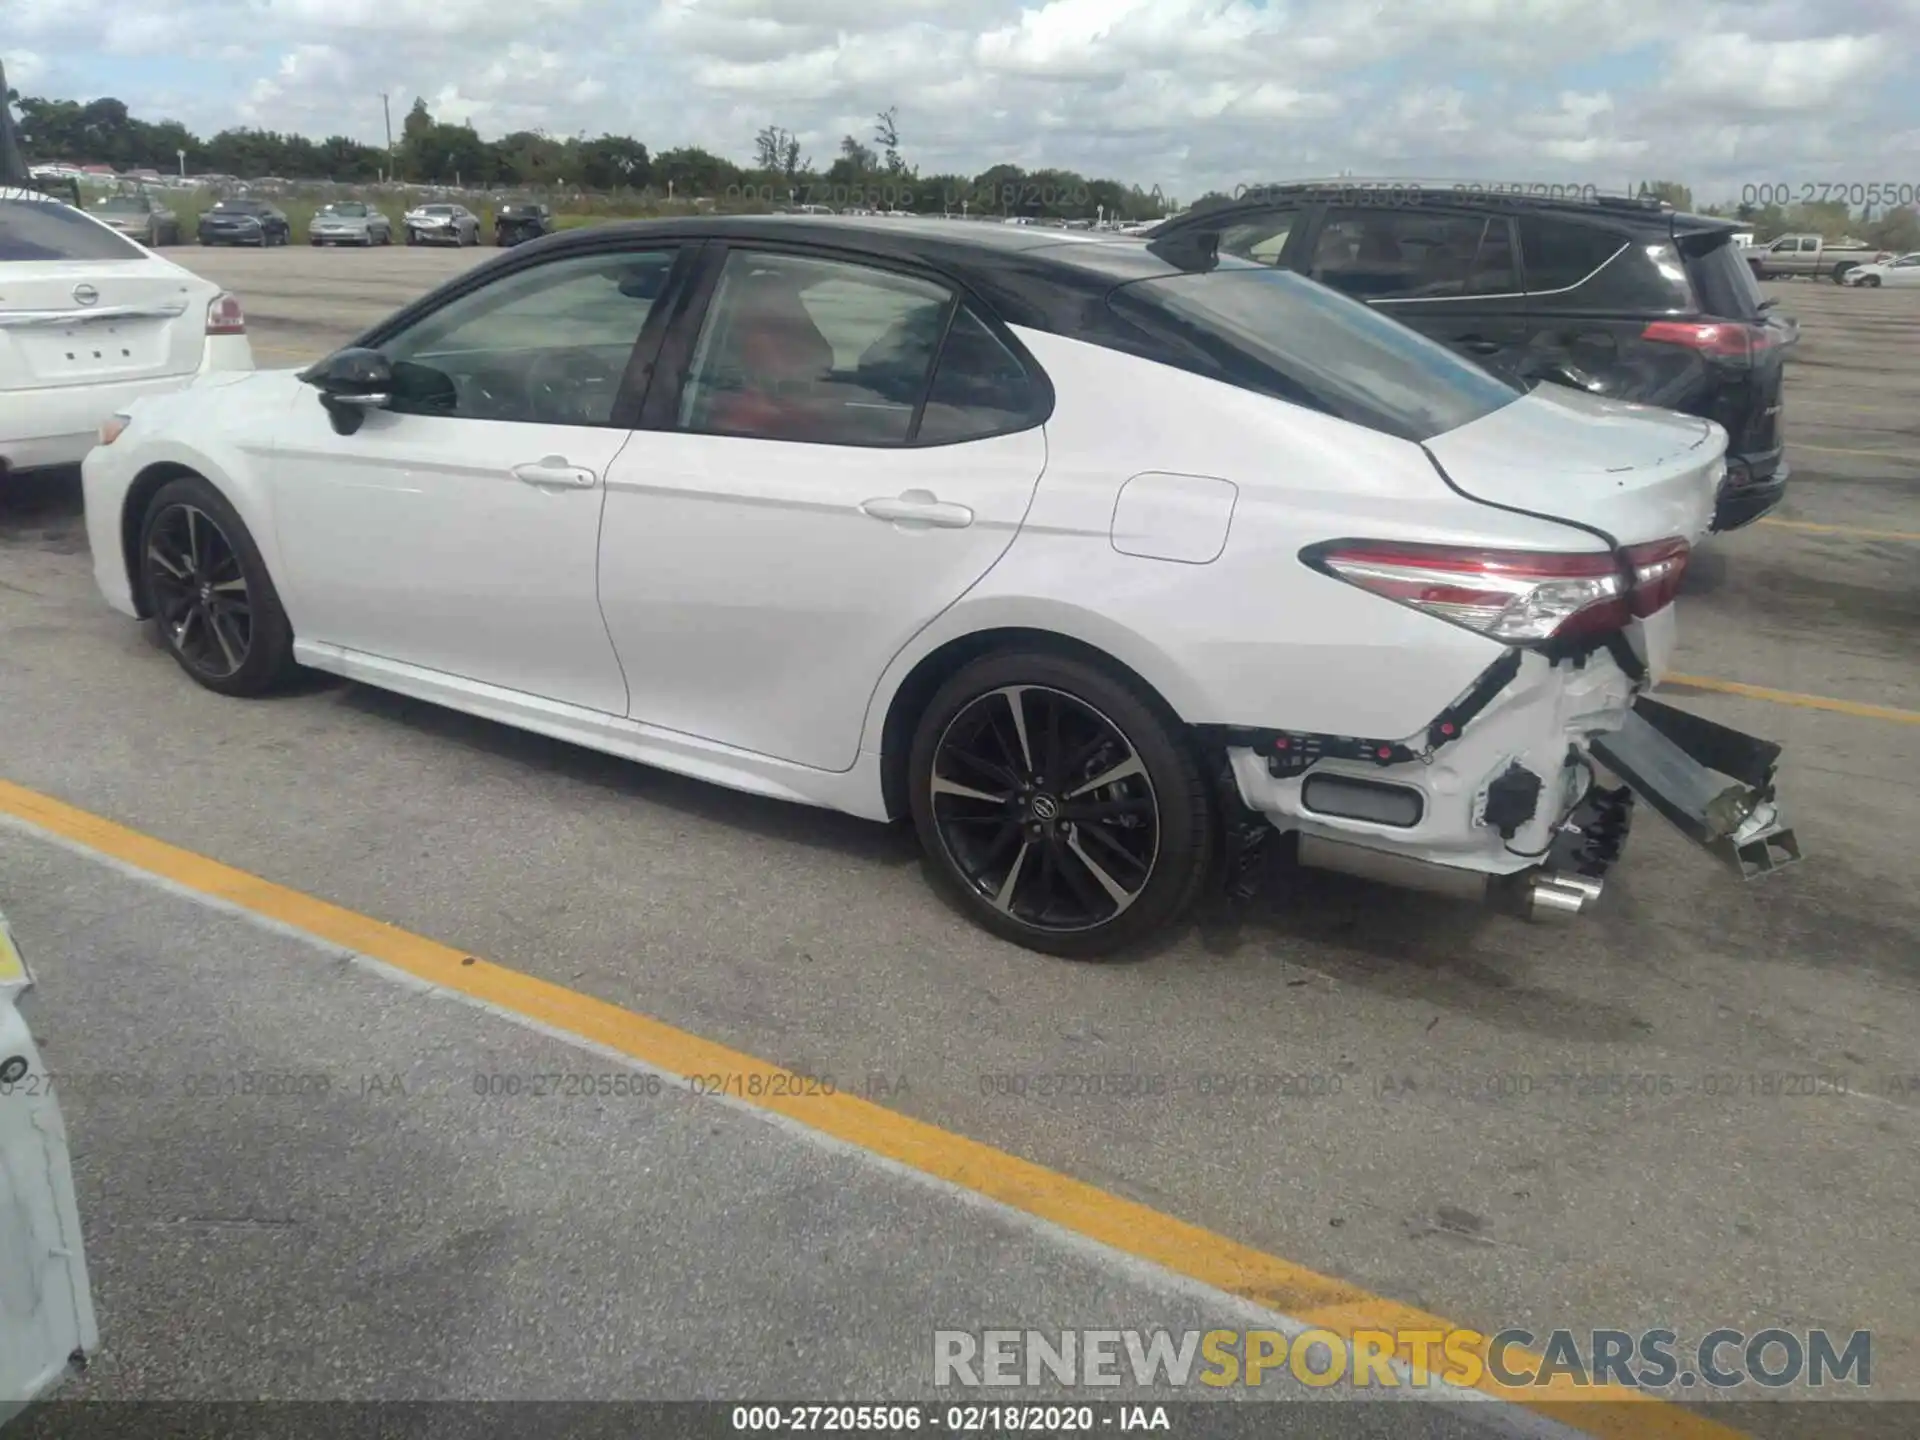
(1637, 472)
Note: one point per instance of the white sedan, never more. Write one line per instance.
(1904, 270)
(1091, 555)
(91, 321)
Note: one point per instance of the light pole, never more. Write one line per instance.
(387, 112)
(183, 163)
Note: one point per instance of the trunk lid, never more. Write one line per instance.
(88, 322)
(1635, 472)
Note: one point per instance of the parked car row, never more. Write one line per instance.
(144, 215)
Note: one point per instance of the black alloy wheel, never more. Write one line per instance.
(216, 609)
(1058, 805)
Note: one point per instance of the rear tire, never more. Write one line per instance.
(1028, 845)
(213, 601)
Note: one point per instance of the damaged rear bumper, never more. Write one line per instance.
(1525, 803)
(1714, 784)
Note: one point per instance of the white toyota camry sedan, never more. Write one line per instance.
(90, 321)
(1103, 560)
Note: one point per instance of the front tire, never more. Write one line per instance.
(1060, 808)
(214, 603)
(1872, 282)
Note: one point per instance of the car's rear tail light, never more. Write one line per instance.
(225, 315)
(1518, 596)
(1658, 569)
(1723, 339)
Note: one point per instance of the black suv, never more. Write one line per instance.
(244, 222)
(1621, 296)
(514, 223)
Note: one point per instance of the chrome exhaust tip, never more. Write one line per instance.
(1553, 898)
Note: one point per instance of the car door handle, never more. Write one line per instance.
(554, 470)
(918, 507)
(1480, 345)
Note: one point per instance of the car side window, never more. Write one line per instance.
(549, 345)
(1558, 254)
(1414, 255)
(1262, 238)
(796, 348)
(980, 387)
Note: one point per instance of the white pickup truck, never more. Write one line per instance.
(47, 1327)
(1808, 255)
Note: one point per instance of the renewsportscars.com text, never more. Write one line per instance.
(1724, 1359)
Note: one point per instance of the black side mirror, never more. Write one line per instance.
(351, 382)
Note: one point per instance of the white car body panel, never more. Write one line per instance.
(753, 600)
(187, 428)
(728, 609)
(67, 364)
(413, 540)
(46, 1300)
(1635, 471)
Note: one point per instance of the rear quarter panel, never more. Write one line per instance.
(1252, 637)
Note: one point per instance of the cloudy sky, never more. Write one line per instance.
(1183, 94)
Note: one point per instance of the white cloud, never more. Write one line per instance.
(1738, 74)
(1186, 94)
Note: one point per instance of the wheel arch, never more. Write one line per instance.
(916, 689)
(133, 511)
(182, 465)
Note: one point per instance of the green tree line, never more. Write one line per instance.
(870, 172)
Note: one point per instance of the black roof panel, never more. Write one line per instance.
(1031, 275)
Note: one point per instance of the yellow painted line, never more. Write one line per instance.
(1611, 1411)
(1793, 697)
(1864, 532)
(1843, 450)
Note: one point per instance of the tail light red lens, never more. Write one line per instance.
(1722, 339)
(1520, 597)
(225, 315)
(1658, 569)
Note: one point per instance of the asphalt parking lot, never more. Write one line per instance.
(1699, 1109)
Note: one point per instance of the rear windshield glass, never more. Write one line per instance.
(1725, 282)
(122, 205)
(1285, 335)
(44, 230)
(352, 211)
